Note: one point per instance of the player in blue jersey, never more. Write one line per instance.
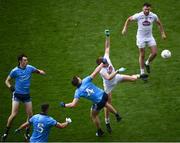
(42, 124)
(21, 91)
(86, 89)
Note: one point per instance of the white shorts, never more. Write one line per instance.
(141, 43)
(108, 88)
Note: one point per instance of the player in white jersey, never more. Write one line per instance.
(111, 77)
(144, 35)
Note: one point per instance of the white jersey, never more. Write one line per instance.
(109, 84)
(145, 24)
(107, 70)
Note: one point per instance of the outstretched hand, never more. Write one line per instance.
(122, 69)
(68, 120)
(62, 104)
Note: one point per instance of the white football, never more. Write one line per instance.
(165, 54)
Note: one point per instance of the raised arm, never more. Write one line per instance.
(96, 71)
(65, 124)
(61, 125)
(113, 74)
(107, 42)
(163, 35)
(71, 104)
(38, 71)
(129, 19)
(110, 76)
(107, 46)
(24, 125)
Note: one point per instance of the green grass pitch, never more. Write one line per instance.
(64, 37)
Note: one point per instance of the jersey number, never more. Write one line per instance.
(89, 91)
(40, 127)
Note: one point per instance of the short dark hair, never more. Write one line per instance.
(19, 58)
(75, 81)
(99, 60)
(44, 107)
(147, 4)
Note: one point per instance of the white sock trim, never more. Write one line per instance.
(142, 71)
(147, 62)
(107, 120)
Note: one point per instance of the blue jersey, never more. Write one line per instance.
(22, 78)
(41, 127)
(89, 91)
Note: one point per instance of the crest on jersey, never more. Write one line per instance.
(146, 23)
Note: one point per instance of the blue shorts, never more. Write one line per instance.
(21, 97)
(101, 104)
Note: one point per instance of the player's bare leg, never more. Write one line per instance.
(129, 77)
(28, 107)
(151, 57)
(95, 118)
(141, 63)
(113, 110)
(106, 114)
(141, 59)
(14, 111)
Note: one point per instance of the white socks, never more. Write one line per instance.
(142, 71)
(107, 120)
(147, 62)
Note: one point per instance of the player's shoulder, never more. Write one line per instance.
(153, 14)
(50, 118)
(139, 13)
(36, 115)
(15, 69)
(103, 70)
(29, 66)
(87, 79)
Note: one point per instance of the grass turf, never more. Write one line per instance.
(64, 38)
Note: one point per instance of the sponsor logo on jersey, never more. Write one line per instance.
(146, 23)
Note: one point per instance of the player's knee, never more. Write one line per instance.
(142, 56)
(13, 114)
(154, 54)
(109, 100)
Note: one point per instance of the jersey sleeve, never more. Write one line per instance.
(33, 69)
(12, 74)
(108, 59)
(155, 17)
(31, 120)
(106, 56)
(102, 71)
(76, 95)
(52, 122)
(87, 79)
(135, 16)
